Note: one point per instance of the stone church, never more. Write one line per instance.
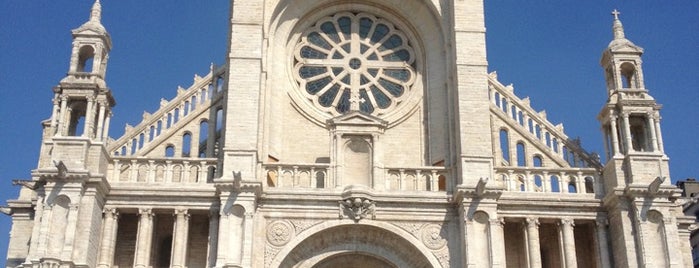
(347, 134)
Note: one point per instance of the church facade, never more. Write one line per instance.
(347, 134)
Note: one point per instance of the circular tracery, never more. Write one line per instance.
(354, 62)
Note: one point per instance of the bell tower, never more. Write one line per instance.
(83, 102)
(631, 118)
(70, 180)
(639, 196)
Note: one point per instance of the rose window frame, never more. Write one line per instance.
(355, 62)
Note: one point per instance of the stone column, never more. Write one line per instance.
(603, 243)
(627, 132)
(497, 238)
(105, 133)
(567, 225)
(109, 236)
(532, 231)
(100, 120)
(659, 134)
(615, 137)
(180, 237)
(89, 118)
(63, 127)
(651, 129)
(144, 238)
(54, 112)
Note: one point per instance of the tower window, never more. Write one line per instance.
(85, 56)
(628, 75)
(639, 137)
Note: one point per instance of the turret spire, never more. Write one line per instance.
(618, 28)
(96, 13)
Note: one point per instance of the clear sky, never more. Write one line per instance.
(549, 50)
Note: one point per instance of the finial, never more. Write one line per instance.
(617, 28)
(96, 13)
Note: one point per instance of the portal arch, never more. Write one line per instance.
(334, 241)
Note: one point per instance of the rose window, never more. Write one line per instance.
(354, 62)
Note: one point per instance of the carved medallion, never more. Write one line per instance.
(433, 237)
(279, 233)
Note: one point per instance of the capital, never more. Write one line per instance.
(532, 222)
(568, 221)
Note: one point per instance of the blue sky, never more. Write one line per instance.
(549, 50)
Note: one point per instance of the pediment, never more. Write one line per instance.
(356, 118)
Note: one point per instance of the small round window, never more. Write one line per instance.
(354, 62)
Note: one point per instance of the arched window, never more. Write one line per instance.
(151, 133)
(85, 56)
(521, 155)
(186, 144)
(442, 183)
(141, 140)
(203, 137)
(504, 105)
(159, 128)
(134, 146)
(538, 181)
(193, 103)
(513, 112)
(169, 120)
(628, 75)
(520, 118)
(555, 145)
(123, 150)
(204, 94)
(170, 151)
(555, 184)
(176, 116)
(548, 139)
(572, 188)
(638, 128)
(497, 100)
(530, 122)
(505, 146)
(219, 84)
(537, 161)
(186, 108)
(320, 180)
(589, 185)
(538, 131)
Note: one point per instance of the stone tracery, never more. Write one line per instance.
(354, 62)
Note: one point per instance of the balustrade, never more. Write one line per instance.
(320, 176)
(161, 170)
(548, 180)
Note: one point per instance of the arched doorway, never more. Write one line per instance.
(349, 245)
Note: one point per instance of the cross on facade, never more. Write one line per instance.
(355, 100)
(616, 14)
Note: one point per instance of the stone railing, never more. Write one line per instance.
(203, 93)
(552, 136)
(297, 175)
(320, 176)
(161, 170)
(417, 179)
(548, 180)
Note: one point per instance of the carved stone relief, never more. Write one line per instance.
(279, 233)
